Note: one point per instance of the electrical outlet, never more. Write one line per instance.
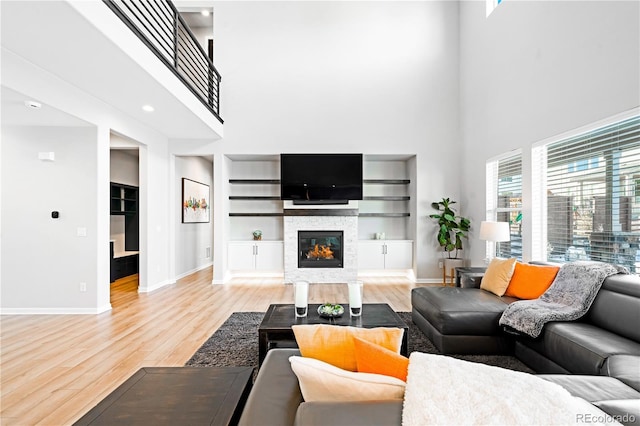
(83, 287)
(207, 252)
(440, 264)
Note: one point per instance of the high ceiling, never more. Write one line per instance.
(16, 113)
(58, 39)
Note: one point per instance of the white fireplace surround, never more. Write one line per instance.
(317, 220)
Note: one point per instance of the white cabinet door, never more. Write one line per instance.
(370, 255)
(399, 255)
(241, 255)
(387, 254)
(270, 255)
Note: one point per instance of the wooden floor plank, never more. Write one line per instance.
(54, 368)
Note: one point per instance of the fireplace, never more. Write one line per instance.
(320, 249)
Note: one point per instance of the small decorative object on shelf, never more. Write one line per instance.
(329, 310)
(257, 234)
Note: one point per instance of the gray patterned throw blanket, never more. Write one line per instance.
(568, 298)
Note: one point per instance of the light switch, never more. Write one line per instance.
(82, 232)
(47, 156)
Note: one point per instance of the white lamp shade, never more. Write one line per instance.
(494, 231)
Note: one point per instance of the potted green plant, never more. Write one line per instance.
(451, 228)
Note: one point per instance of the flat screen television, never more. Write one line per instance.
(321, 178)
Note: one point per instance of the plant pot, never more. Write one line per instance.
(449, 272)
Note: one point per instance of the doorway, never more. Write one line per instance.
(124, 224)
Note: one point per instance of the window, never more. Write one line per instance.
(491, 5)
(504, 201)
(590, 182)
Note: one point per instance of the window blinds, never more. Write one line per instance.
(593, 208)
(509, 204)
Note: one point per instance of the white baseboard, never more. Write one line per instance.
(55, 311)
(249, 274)
(404, 273)
(193, 271)
(155, 286)
(429, 281)
(224, 280)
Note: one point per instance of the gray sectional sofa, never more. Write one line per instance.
(598, 357)
(461, 320)
(610, 328)
(276, 400)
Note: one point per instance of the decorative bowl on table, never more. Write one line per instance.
(329, 310)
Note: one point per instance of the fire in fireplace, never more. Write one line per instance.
(320, 249)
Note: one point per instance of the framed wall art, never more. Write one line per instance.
(196, 198)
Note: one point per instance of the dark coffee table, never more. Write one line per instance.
(176, 396)
(275, 329)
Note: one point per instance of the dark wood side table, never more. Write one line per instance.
(176, 396)
(467, 276)
(275, 329)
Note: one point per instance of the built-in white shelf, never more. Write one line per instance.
(387, 205)
(388, 198)
(384, 214)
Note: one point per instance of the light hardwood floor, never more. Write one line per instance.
(54, 368)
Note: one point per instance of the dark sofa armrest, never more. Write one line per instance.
(275, 396)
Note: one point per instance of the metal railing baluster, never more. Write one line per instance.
(158, 24)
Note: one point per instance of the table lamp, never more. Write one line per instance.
(494, 232)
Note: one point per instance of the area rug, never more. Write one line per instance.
(235, 344)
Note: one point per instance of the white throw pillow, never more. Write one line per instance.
(320, 381)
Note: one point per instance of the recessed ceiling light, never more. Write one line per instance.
(205, 12)
(148, 108)
(33, 104)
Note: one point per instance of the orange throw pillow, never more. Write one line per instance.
(531, 281)
(372, 358)
(334, 345)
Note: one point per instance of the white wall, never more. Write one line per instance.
(155, 226)
(534, 69)
(124, 168)
(38, 83)
(43, 259)
(192, 239)
(370, 77)
(203, 35)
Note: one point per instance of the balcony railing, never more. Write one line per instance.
(159, 25)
